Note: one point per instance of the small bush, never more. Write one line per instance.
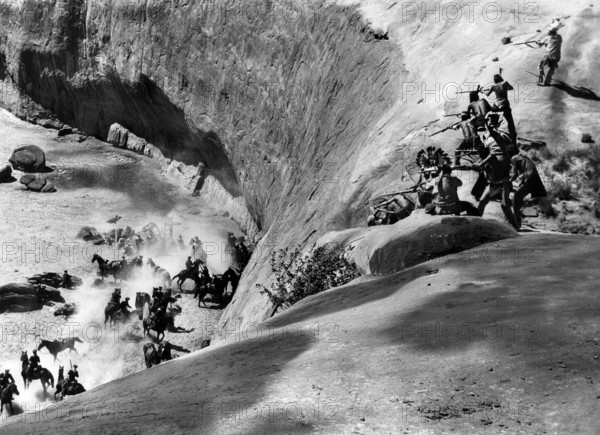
(563, 164)
(561, 190)
(298, 276)
(545, 153)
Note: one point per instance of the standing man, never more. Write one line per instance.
(66, 281)
(501, 88)
(497, 168)
(478, 109)
(553, 44)
(524, 170)
(471, 138)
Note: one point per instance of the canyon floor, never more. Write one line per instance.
(95, 182)
(505, 340)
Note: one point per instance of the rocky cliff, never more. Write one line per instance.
(299, 110)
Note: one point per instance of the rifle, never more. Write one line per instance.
(452, 114)
(466, 152)
(445, 129)
(526, 42)
(478, 90)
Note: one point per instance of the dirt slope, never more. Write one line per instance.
(504, 340)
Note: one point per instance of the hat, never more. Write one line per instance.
(34, 350)
(74, 365)
(127, 298)
(555, 25)
(492, 118)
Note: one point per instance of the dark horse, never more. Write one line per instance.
(42, 374)
(191, 273)
(72, 390)
(6, 397)
(159, 324)
(109, 313)
(57, 346)
(154, 357)
(115, 268)
(217, 287)
(141, 299)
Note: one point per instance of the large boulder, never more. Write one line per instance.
(388, 249)
(22, 297)
(118, 135)
(28, 158)
(6, 174)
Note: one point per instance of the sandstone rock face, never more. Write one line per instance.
(28, 158)
(419, 238)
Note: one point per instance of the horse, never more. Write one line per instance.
(217, 287)
(59, 380)
(159, 324)
(191, 273)
(57, 346)
(141, 299)
(161, 275)
(67, 390)
(6, 397)
(42, 374)
(117, 268)
(155, 356)
(164, 351)
(109, 313)
(151, 355)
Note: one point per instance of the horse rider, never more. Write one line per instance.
(180, 242)
(5, 379)
(72, 377)
(66, 280)
(8, 378)
(124, 306)
(189, 263)
(243, 255)
(116, 297)
(123, 261)
(34, 363)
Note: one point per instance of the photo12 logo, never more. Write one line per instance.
(469, 12)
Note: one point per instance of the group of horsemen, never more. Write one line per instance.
(34, 367)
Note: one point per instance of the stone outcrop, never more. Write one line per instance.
(419, 238)
(28, 158)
